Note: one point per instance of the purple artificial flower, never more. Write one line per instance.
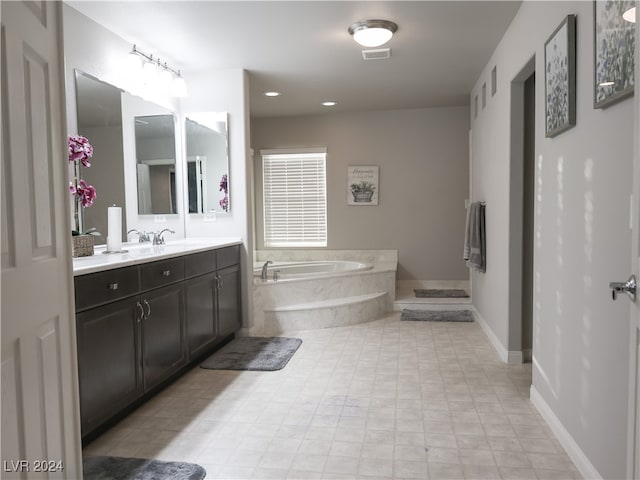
(224, 203)
(80, 149)
(86, 193)
(224, 185)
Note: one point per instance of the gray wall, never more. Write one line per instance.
(424, 170)
(581, 241)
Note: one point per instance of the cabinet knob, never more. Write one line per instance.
(113, 286)
(166, 273)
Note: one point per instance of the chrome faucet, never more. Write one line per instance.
(158, 239)
(143, 237)
(264, 269)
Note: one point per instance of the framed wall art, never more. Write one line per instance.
(614, 50)
(560, 78)
(362, 185)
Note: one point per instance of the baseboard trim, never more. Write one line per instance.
(582, 463)
(507, 356)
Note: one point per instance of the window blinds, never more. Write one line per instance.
(294, 199)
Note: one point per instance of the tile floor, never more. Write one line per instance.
(381, 400)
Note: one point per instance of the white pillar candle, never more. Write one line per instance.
(114, 225)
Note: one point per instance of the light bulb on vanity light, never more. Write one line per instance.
(166, 80)
(179, 86)
(149, 73)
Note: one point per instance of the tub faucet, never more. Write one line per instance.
(264, 269)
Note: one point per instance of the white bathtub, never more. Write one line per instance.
(315, 269)
(321, 288)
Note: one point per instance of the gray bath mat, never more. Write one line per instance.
(440, 293)
(253, 353)
(119, 468)
(437, 315)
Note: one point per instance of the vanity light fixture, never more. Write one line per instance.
(373, 33)
(157, 74)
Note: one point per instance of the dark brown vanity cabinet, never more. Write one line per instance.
(213, 297)
(228, 283)
(108, 333)
(201, 299)
(138, 326)
(109, 360)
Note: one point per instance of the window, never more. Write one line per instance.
(294, 198)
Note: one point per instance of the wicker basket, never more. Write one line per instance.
(362, 197)
(82, 245)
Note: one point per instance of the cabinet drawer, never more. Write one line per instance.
(157, 274)
(102, 287)
(228, 256)
(199, 263)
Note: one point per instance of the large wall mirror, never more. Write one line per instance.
(207, 147)
(155, 138)
(126, 130)
(99, 112)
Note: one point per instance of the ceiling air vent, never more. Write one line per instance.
(376, 54)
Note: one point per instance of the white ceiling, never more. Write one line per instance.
(302, 48)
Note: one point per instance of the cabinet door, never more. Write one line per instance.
(108, 360)
(200, 296)
(229, 316)
(163, 333)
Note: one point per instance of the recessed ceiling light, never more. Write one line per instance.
(328, 104)
(272, 94)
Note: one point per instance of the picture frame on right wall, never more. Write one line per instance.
(560, 78)
(614, 51)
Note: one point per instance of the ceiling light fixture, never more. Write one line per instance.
(272, 94)
(157, 74)
(373, 33)
(328, 104)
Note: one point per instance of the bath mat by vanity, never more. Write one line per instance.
(437, 315)
(120, 468)
(440, 293)
(253, 353)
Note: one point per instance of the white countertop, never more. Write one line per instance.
(138, 253)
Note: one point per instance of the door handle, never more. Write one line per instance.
(629, 287)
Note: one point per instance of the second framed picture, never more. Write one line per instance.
(614, 50)
(362, 185)
(560, 78)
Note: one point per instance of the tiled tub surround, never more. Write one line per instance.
(327, 300)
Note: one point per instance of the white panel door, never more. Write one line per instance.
(633, 451)
(40, 407)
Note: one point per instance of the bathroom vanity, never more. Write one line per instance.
(144, 316)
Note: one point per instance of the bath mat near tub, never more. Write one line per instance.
(440, 293)
(253, 353)
(437, 315)
(120, 468)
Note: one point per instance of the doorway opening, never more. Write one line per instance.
(521, 215)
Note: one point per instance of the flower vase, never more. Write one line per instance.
(82, 245)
